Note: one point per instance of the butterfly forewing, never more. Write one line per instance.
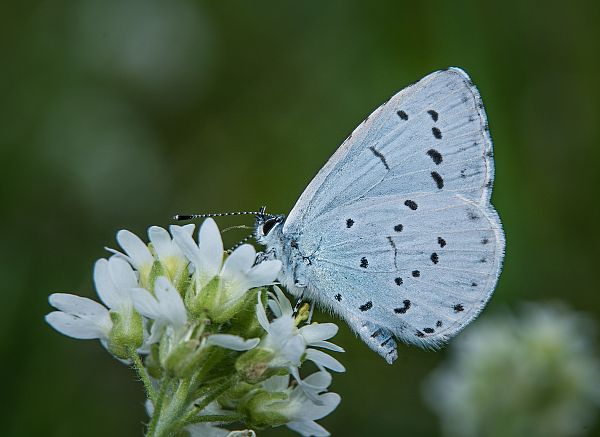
(430, 136)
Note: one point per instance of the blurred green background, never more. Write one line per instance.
(117, 114)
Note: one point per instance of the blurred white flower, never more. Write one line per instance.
(532, 375)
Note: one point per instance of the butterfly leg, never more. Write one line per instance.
(378, 338)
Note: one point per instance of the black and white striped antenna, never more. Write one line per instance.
(182, 217)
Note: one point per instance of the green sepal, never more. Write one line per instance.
(199, 302)
(156, 271)
(245, 323)
(253, 366)
(262, 409)
(152, 363)
(185, 358)
(127, 332)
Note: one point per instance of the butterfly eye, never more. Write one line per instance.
(268, 225)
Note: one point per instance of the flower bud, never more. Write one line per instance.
(253, 366)
(265, 409)
(185, 358)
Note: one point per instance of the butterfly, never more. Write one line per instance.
(396, 234)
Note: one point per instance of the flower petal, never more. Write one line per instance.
(145, 303)
(263, 273)
(318, 380)
(327, 345)
(77, 327)
(135, 248)
(80, 306)
(232, 342)
(186, 243)
(211, 249)
(276, 383)
(318, 332)
(161, 241)
(321, 359)
(261, 315)
(105, 288)
(284, 304)
(171, 303)
(122, 275)
(308, 428)
(238, 263)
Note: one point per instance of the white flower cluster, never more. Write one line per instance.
(537, 374)
(195, 327)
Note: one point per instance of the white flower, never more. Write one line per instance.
(83, 318)
(299, 409)
(536, 374)
(79, 317)
(290, 344)
(235, 276)
(166, 308)
(167, 252)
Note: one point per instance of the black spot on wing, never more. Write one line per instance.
(364, 262)
(338, 297)
(434, 115)
(441, 242)
(458, 308)
(436, 133)
(403, 115)
(439, 181)
(411, 204)
(429, 330)
(398, 228)
(416, 273)
(403, 309)
(366, 307)
(435, 258)
(349, 223)
(398, 281)
(438, 323)
(378, 154)
(435, 156)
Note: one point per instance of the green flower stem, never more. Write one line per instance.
(143, 375)
(170, 417)
(221, 418)
(210, 396)
(158, 405)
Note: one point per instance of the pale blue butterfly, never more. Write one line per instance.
(396, 233)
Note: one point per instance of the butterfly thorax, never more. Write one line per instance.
(286, 248)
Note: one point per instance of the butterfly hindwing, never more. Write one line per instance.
(422, 273)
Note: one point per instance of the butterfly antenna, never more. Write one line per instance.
(182, 217)
(239, 243)
(231, 228)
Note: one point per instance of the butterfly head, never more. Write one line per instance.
(267, 226)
